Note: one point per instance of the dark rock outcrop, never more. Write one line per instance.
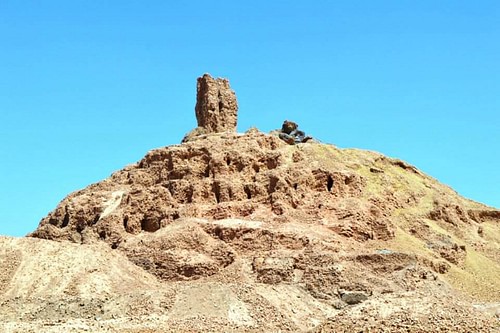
(291, 134)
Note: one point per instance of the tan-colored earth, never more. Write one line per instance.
(231, 232)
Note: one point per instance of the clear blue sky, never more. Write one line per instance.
(87, 87)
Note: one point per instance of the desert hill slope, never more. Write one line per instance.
(256, 232)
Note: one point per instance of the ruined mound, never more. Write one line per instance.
(250, 232)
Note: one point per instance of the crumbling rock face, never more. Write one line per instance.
(252, 176)
(184, 252)
(481, 215)
(216, 108)
(450, 213)
(226, 275)
(256, 176)
(216, 105)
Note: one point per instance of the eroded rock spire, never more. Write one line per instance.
(216, 107)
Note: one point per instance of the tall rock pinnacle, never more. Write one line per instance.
(216, 105)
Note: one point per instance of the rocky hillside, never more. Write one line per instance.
(254, 232)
